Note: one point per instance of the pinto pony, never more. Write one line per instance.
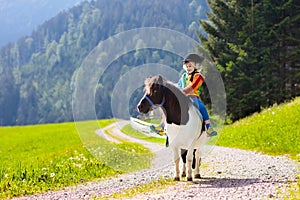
(183, 122)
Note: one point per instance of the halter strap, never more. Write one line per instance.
(153, 106)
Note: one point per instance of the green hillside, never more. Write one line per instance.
(274, 131)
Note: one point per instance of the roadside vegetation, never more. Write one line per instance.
(274, 131)
(152, 186)
(134, 133)
(39, 158)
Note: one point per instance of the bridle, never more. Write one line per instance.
(154, 106)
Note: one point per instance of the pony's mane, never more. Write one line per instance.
(165, 82)
(177, 91)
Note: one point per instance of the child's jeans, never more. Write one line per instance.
(201, 108)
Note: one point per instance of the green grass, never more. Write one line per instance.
(274, 131)
(136, 134)
(38, 158)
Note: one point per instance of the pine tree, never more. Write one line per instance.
(251, 49)
(285, 26)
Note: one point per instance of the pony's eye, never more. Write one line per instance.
(155, 89)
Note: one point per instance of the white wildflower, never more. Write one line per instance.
(52, 175)
(78, 165)
(77, 158)
(83, 157)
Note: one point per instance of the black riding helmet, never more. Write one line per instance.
(192, 57)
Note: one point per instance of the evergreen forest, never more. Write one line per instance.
(256, 46)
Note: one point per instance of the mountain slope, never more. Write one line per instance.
(18, 18)
(39, 70)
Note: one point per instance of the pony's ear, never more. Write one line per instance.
(148, 80)
(160, 79)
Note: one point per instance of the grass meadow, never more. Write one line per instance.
(38, 158)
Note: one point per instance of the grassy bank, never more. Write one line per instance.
(274, 131)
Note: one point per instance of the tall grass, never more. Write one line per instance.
(274, 131)
(45, 157)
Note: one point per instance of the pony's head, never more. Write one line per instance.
(154, 94)
(160, 92)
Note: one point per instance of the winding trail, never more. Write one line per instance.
(227, 173)
(163, 156)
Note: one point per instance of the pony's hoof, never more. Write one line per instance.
(176, 179)
(189, 179)
(197, 176)
(183, 174)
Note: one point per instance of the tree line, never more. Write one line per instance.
(256, 46)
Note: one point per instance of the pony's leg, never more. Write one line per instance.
(183, 156)
(198, 163)
(176, 160)
(183, 173)
(189, 160)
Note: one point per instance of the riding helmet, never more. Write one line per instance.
(192, 57)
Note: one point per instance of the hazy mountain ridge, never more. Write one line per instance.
(19, 17)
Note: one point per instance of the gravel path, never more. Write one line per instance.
(226, 174)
